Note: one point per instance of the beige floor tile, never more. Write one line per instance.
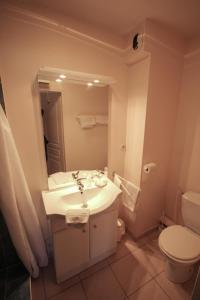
(153, 235)
(151, 290)
(103, 286)
(88, 272)
(122, 251)
(133, 245)
(175, 291)
(154, 244)
(37, 289)
(130, 273)
(50, 284)
(73, 293)
(152, 239)
(125, 246)
(151, 258)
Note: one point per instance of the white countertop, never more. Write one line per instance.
(69, 197)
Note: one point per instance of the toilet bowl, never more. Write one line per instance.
(181, 247)
(181, 244)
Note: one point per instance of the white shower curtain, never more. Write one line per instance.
(16, 204)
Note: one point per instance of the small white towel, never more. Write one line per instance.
(130, 192)
(101, 119)
(129, 200)
(76, 216)
(117, 181)
(86, 121)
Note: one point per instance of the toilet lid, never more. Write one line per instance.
(180, 243)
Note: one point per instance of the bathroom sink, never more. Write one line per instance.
(78, 199)
(96, 198)
(67, 179)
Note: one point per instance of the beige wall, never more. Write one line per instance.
(138, 76)
(27, 46)
(162, 103)
(185, 163)
(138, 80)
(84, 148)
(155, 129)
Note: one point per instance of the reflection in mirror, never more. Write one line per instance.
(51, 112)
(74, 112)
(1, 97)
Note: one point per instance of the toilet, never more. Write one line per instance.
(181, 244)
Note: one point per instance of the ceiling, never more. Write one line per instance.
(46, 75)
(121, 16)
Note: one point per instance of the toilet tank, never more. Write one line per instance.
(191, 210)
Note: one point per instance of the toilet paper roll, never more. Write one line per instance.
(149, 167)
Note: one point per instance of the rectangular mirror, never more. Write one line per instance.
(1, 97)
(74, 112)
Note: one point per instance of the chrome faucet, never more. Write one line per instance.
(75, 175)
(81, 189)
(80, 185)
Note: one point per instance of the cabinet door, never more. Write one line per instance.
(71, 250)
(103, 234)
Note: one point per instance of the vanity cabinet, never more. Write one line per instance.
(71, 250)
(78, 246)
(103, 234)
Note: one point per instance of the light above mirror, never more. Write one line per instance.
(47, 74)
(62, 76)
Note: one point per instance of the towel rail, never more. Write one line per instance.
(124, 179)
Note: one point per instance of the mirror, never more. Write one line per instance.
(74, 112)
(1, 97)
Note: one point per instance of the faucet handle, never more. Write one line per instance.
(80, 189)
(75, 174)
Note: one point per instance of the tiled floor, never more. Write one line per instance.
(135, 272)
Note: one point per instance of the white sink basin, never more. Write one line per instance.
(67, 178)
(78, 199)
(97, 198)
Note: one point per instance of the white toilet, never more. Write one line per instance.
(181, 244)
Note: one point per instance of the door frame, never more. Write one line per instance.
(63, 156)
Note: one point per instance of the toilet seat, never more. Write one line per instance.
(180, 244)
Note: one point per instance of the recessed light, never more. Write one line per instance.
(58, 80)
(62, 76)
(90, 84)
(96, 80)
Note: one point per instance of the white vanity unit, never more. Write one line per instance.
(78, 246)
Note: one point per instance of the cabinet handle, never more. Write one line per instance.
(83, 230)
(95, 226)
